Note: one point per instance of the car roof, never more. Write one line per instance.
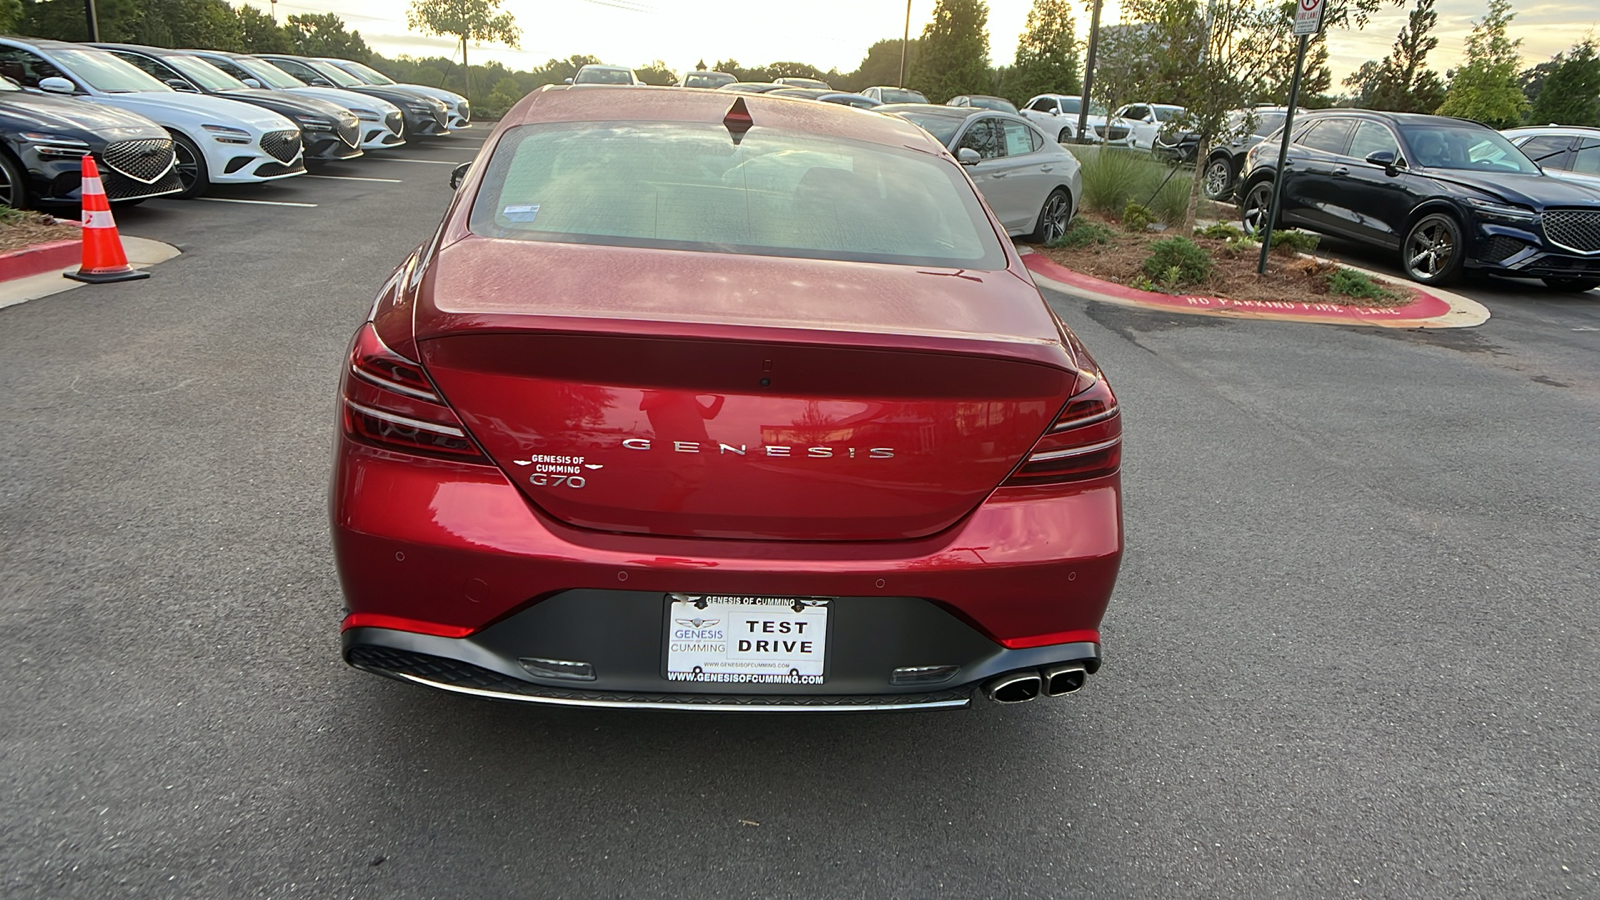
(140, 48)
(939, 109)
(1578, 130)
(607, 67)
(578, 103)
(1398, 118)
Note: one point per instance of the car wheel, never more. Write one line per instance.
(192, 172)
(1053, 217)
(1432, 251)
(1065, 137)
(1218, 179)
(1255, 206)
(13, 184)
(1575, 285)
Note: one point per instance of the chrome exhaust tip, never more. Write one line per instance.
(1067, 678)
(1018, 687)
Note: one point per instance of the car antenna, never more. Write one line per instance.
(738, 120)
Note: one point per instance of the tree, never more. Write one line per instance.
(10, 16)
(1403, 83)
(1485, 88)
(469, 20)
(656, 72)
(954, 57)
(1047, 54)
(1570, 92)
(324, 34)
(258, 33)
(881, 65)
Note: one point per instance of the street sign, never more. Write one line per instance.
(1308, 16)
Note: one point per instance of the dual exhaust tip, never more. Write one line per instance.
(1020, 687)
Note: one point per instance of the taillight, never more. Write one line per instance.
(1085, 441)
(390, 403)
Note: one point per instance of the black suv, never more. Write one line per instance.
(1449, 194)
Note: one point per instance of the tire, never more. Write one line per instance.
(1065, 136)
(13, 183)
(1218, 177)
(192, 171)
(1431, 252)
(1576, 285)
(1254, 206)
(1054, 217)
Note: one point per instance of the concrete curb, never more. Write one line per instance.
(39, 258)
(142, 254)
(1434, 308)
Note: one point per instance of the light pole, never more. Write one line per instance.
(1088, 72)
(904, 40)
(92, 20)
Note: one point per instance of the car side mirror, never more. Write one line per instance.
(1055, 112)
(251, 82)
(458, 175)
(178, 84)
(320, 82)
(1385, 158)
(968, 156)
(566, 81)
(55, 84)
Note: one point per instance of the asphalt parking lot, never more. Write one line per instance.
(1352, 651)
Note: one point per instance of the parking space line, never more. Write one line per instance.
(431, 162)
(356, 178)
(257, 202)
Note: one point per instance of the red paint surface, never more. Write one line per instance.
(39, 259)
(1426, 306)
(415, 626)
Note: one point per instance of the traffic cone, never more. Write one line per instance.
(103, 258)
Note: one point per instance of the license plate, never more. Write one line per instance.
(730, 639)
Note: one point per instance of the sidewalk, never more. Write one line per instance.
(142, 254)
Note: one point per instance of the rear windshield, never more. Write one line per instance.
(900, 95)
(689, 187)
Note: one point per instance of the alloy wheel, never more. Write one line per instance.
(1432, 249)
(1218, 179)
(188, 167)
(13, 190)
(1256, 206)
(1053, 217)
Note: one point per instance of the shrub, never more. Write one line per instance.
(1083, 234)
(1113, 177)
(1350, 283)
(1292, 242)
(1136, 218)
(1177, 261)
(1221, 231)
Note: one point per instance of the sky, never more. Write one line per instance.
(836, 33)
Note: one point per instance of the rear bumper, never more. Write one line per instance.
(458, 551)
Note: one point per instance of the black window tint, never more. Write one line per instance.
(1328, 135)
(146, 65)
(1370, 138)
(229, 67)
(1139, 113)
(1548, 150)
(984, 136)
(1267, 123)
(1588, 159)
(25, 68)
(1043, 104)
(299, 70)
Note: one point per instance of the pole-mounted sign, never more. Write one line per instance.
(1308, 16)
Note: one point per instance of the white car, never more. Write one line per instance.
(887, 94)
(597, 74)
(1057, 115)
(216, 141)
(382, 123)
(460, 109)
(1142, 122)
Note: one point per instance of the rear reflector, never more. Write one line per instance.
(1084, 442)
(390, 403)
(396, 623)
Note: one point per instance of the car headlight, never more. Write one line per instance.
(50, 146)
(227, 135)
(367, 115)
(313, 123)
(418, 107)
(1502, 212)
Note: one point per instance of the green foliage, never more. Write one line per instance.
(324, 34)
(10, 16)
(881, 65)
(1084, 234)
(1402, 82)
(1570, 94)
(1047, 54)
(1137, 217)
(258, 33)
(656, 72)
(1350, 283)
(1486, 87)
(1290, 243)
(1177, 261)
(1113, 177)
(1221, 231)
(10, 215)
(469, 20)
(954, 57)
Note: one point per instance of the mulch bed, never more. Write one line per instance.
(1289, 277)
(34, 228)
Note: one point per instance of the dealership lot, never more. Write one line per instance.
(1350, 653)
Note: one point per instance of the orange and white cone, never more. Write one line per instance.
(103, 258)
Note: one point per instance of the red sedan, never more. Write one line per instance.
(722, 402)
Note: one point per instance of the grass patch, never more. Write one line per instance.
(1290, 243)
(1084, 234)
(1350, 283)
(1114, 177)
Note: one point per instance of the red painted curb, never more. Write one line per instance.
(39, 258)
(1426, 306)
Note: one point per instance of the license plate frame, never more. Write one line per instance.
(690, 619)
